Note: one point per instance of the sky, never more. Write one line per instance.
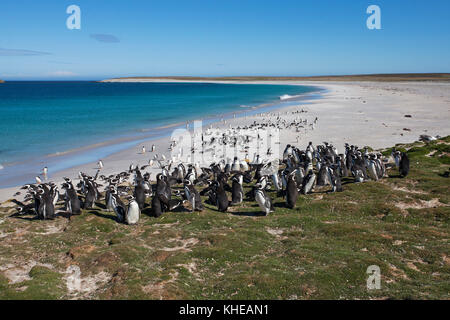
(220, 38)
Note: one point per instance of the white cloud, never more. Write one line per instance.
(61, 73)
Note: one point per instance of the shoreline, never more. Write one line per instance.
(360, 113)
(83, 156)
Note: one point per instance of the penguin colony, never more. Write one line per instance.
(298, 172)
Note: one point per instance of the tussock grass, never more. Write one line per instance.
(320, 250)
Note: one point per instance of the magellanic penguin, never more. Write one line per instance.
(108, 197)
(133, 212)
(287, 152)
(192, 196)
(261, 197)
(396, 155)
(308, 182)
(404, 164)
(119, 207)
(221, 197)
(291, 190)
(372, 168)
(46, 208)
(91, 195)
(72, 202)
(236, 165)
(237, 191)
(157, 208)
(322, 176)
(139, 193)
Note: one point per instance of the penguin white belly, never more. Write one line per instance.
(310, 183)
(110, 205)
(373, 171)
(133, 213)
(261, 199)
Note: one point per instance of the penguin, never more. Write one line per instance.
(291, 191)
(143, 150)
(157, 209)
(342, 166)
(100, 164)
(108, 198)
(276, 181)
(372, 168)
(237, 191)
(153, 148)
(308, 182)
(335, 180)
(45, 173)
(193, 196)
(396, 155)
(358, 174)
(404, 165)
(72, 202)
(222, 201)
(236, 165)
(322, 176)
(90, 196)
(287, 151)
(133, 212)
(139, 193)
(119, 208)
(261, 197)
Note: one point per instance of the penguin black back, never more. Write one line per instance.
(404, 165)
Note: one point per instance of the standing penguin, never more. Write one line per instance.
(222, 201)
(119, 207)
(322, 178)
(72, 202)
(291, 191)
(372, 168)
(133, 212)
(157, 208)
(404, 164)
(261, 197)
(237, 192)
(91, 195)
(108, 197)
(308, 182)
(139, 193)
(46, 208)
(192, 196)
(236, 165)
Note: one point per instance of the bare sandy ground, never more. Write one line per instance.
(359, 113)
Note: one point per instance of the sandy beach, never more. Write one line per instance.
(361, 113)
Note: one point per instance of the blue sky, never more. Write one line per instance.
(220, 38)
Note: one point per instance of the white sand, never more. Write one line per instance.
(360, 113)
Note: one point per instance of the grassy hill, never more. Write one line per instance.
(442, 77)
(320, 250)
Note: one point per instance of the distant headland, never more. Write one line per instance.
(364, 77)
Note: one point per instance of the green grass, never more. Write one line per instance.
(320, 250)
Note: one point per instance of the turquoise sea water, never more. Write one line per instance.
(42, 118)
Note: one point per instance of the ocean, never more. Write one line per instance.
(47, 118)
